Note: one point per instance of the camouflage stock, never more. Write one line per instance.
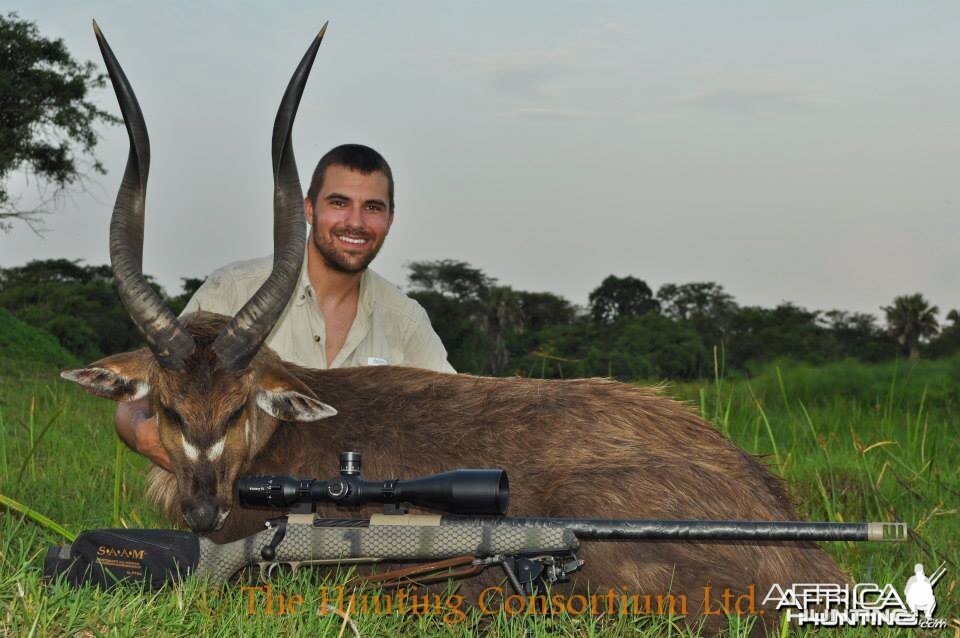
(414, 539)
(161, 556)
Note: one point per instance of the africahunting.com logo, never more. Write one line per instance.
(863, 604)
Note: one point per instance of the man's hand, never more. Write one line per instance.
(140, 431)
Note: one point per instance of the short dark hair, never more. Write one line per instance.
(356, 157)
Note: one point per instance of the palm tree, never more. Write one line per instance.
(910, 318)
(954, 317)
(503, 314)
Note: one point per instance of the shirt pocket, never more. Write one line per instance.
(384, 344)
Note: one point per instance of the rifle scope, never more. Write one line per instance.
(456, 491)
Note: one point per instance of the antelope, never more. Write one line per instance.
(228, 407)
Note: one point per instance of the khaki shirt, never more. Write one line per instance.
(389, 329)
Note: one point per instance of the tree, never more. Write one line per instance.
(645, 347)
(911, 319)
(455, 296)
(760, 334)
(618, 297)
(541, 309)
(46, 122)
(467, 346)
(948, 341)
(190, 286)
(75, 303)
(706, 306)
(450, 278)
(504, 317)
(478, 321)
(695, 300)
(858, 335)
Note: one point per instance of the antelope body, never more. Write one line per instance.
(228, 407)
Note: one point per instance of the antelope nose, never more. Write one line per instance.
(201, 517)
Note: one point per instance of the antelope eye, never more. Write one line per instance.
(171, 415)
(235, 414)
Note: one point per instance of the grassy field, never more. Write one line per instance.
(853, 442)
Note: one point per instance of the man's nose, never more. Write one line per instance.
(355, 215)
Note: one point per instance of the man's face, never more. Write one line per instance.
(351, 218)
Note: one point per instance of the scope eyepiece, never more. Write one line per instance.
(276, 492)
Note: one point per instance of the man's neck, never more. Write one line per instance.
(332, 287)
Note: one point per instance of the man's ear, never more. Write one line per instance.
(285, 397)
(308, 209)
(121, 377)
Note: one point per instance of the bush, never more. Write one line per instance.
(21, 343)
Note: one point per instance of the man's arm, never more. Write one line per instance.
(422, 347)
(139, 430)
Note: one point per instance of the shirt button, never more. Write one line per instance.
(316, 338)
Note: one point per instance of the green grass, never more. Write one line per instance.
(852, 441)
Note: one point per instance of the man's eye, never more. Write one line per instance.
(339, 203)
(375, 208)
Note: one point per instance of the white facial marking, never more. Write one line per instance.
(246, 431)
(143, 389)
(191, 451)
(216, 450)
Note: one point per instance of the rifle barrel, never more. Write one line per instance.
(677, 530)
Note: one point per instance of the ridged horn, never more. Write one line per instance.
(240, 340)
(170, 343)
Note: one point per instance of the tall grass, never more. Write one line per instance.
(858, 442)
(852, 442)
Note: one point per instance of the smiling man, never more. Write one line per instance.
(342, 313)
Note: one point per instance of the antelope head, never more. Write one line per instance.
(216, 396)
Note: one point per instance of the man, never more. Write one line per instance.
(342, 313)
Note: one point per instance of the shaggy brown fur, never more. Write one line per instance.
(587, 448)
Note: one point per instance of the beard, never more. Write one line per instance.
(340, 260)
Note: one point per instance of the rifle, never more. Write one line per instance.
(533, 552)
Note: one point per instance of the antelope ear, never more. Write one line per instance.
(285, 397)
(121, 377)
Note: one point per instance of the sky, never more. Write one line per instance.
(789, 151)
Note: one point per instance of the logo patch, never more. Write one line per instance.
(863, 604)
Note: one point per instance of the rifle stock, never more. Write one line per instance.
(332, 541)
(159, 556)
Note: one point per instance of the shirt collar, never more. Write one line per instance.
(304, 291)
